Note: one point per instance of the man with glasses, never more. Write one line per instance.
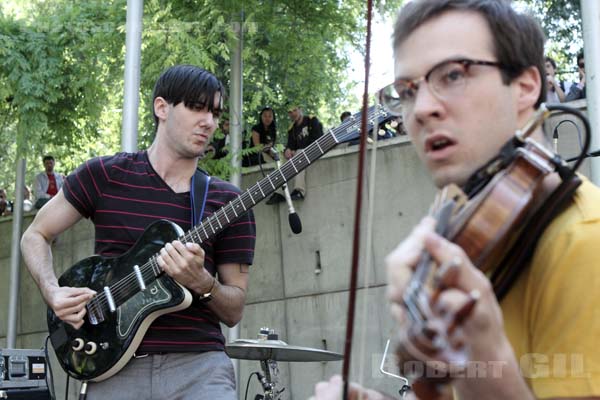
(469, 73)
(577, 90)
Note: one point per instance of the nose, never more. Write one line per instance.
(426, 104)
(211, 120)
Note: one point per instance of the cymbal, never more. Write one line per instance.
(277, 350)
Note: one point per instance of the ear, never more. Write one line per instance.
(528, 86)
(161, 108)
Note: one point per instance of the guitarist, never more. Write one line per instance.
(469, 73)
(182, 354)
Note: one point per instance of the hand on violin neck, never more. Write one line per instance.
(403, 259)
(463, 311)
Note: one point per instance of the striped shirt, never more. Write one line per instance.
(122, 195)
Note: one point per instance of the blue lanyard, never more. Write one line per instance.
(197, 219)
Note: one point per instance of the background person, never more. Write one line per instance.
(47, 183)
(302, 133)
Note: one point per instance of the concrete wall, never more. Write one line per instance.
(72, 245)
(286, 293)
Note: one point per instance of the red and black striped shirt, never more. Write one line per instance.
(122, 195)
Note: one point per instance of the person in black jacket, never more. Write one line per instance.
(577, 90)
(303, 131)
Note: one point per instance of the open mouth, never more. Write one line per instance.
(437, 144)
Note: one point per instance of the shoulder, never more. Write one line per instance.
(582, 214)
(109, 164)
(221, 188)
(569, 243)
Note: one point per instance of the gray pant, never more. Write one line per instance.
(175, 376)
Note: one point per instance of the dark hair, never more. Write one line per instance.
(192, 85)
(272, 130)
(47, 157)
(518, 39)
(551, 61)
(580, 56)
(345, 115)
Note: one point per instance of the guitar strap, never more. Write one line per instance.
(198, 194)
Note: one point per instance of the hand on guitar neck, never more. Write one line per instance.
(465, 322)
(185, 264)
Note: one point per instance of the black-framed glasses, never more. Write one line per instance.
(446, 80)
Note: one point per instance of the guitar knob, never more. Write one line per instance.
(90, 348)
(77, 344)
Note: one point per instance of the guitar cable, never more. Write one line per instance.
(49, 375)
(248, 384)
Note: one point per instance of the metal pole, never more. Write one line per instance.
(131, 100)
(15, 256)
(235, 131)
(590, 14)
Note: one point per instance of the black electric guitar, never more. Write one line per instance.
(132, 290)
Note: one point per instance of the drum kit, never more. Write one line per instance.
(268, 349)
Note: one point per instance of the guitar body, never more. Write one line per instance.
(112, 342)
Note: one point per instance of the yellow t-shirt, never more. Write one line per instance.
(552, 313)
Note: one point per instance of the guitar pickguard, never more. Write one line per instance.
(137, 307)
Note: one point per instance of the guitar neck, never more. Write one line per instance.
(229, 213)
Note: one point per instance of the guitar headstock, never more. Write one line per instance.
(350, 129)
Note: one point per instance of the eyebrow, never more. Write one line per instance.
(453, 58)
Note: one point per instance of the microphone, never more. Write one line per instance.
(555, 140)
(272, 152)
(293, 218)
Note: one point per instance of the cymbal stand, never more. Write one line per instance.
(269, 379)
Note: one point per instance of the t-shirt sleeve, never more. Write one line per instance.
(82, 188)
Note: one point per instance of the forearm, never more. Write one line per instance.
(560, 93)
(498, 377)
(575, 93)
(255, 138)
(227, 303)
(37, 255)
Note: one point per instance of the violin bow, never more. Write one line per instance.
(358, 211)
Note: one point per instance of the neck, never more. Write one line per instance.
(176, 171)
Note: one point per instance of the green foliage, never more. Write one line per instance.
(57, 68)
(61, 67)
(561, 21)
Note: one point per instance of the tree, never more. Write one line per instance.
(561, 21)
(61, 66)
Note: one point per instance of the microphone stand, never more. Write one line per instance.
(293, 218)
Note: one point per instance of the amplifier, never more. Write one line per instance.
(22, 368)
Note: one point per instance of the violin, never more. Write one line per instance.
(496, 220)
